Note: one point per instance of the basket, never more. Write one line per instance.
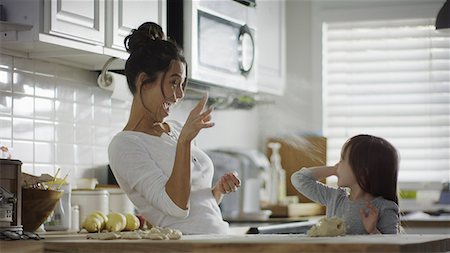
(37, 205)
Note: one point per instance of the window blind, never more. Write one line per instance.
(390, 79)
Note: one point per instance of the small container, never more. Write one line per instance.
(87, 183)
(90, 201)
(119, 201)
(75, 224)
(61, 218)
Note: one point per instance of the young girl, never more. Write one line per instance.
(369, 168)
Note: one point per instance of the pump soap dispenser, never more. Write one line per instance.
(278, 175)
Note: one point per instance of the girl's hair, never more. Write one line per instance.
(374, 161)
(150, 52)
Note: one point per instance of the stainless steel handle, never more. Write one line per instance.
(246, 40)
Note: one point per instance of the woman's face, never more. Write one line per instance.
(345, 175)
(165, 91)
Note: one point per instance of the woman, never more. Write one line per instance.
(167, 178)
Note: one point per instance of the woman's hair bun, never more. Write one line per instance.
(148, 32)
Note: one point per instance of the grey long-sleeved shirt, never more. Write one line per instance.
(338, 204)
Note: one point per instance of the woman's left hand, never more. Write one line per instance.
(226, 184)
(370, 218)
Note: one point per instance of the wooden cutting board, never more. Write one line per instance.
(250, 243)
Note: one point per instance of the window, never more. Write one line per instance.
(390, 79)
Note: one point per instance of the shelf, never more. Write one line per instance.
(8, 27)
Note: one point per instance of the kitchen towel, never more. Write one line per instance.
(118, 85)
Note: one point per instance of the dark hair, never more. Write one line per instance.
(374, 162)
(150, 52)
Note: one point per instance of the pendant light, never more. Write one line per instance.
(443, 18)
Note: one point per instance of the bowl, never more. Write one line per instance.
(37, 205)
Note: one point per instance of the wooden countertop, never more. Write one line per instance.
(236, 244)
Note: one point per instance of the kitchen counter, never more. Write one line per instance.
(236, 243)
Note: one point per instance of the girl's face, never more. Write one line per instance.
(345, 175)
(160, 96)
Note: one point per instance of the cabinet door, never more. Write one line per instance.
(130, 14)
(79, 20)
(271, 46)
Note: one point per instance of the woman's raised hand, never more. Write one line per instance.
(197, 120)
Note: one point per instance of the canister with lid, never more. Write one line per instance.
(90, 201)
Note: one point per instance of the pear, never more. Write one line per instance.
(133, 222)
(105, 218)
(116, 222)
(101, 216)
(92, 224)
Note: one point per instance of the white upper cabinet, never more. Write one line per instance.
(128, 15)
(271, 39)
(78, 20)
(79, 33)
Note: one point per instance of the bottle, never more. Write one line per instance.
(278, 174)
(75, 223)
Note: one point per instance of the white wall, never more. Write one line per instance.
(294, 112)
(233, 128)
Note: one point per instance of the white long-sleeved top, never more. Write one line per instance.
(142, 164)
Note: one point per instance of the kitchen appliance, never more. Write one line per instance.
(251, 166)
(218, 38)
(10, 199)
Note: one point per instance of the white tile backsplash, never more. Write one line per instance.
(23, 150)
(64, 91)
(64, 132)
(5, 79)
(44, 131)
(101, 116)
(44, 152)
(83, 134)
(5, 103)
(23, 83)
(23, 105)
(83, 113)
(54, 116)
(23, 129)
(44, 108)
(28, 168)
(64, 111)
(65, 153)
(44, 87)
(5, 127)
